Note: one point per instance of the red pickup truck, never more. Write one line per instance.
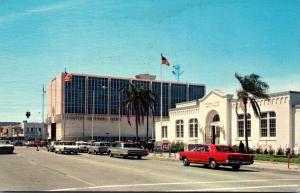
(214, 156)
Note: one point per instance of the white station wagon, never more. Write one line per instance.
(66, 147)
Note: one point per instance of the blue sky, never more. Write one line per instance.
(211, 40)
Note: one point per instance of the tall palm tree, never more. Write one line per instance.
(252, 89)
(134, 106)
(148, 101)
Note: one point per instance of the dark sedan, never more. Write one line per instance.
(6, 147)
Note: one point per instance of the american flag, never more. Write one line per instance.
(164, 60)
(68, 77)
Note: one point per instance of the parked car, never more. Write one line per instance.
(82, 146)
(99, 147)
(66, 147)
(30, 144)
(50, 146)
(126, 150)
(18, 143)
(6, 147)
(215, 155)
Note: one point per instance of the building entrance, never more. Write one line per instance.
(212, 129)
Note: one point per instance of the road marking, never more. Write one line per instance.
(168, 183)
(81, 180)
(235, 188)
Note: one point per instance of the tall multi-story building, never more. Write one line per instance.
(88, 106)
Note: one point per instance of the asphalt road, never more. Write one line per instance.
(30, 170)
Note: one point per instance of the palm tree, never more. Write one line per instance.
(134, 106)
(148, 101)
(252, 89)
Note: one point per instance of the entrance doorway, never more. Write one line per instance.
(212, 129)
(53, 131)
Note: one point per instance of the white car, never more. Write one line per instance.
(66, 147)
(6, 147)
(82, 146)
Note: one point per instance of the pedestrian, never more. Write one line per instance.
(241, 147)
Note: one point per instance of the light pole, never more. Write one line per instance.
(119, 115)
(119, 108)
(93, 112)
(43, 94)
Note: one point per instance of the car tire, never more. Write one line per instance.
(139, 157)
(75, 153)
(213, 164)
(124, 156)
(236, 167)
(185, 162)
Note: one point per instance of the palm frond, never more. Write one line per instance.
(255, 107)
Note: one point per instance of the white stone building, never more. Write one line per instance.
(213, 119)
(34, 131)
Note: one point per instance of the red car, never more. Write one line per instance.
(214, 156)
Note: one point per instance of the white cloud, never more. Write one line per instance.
(39, 10)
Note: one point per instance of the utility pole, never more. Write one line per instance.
(43, 94)
(119, 115)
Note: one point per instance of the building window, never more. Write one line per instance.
(264, 125)
(193, 128)
(31, 130)
(164, 132)
(272, 124)
(240, 125)
(27, 130)
(268, 124)
(179, 128)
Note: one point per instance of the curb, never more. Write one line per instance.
(292, 170)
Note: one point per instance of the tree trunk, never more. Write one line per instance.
(137, 129)
(246, 126)
(147, 126)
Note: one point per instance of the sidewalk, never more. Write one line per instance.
(259, 165)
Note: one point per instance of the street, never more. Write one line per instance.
(31, 170)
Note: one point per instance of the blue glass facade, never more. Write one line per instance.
(100, 88)
(196, 92)
(156, 90)
(115, 90)
(75, 95)
(178, 94)
(79, 94)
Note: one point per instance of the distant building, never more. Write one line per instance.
(213, 119)
(71, 105)
(34, 131)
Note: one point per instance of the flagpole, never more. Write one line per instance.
(161, 101)
(64, 110)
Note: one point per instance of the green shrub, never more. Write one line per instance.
(280, 151)
(177, 147)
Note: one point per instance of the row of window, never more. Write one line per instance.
(31, 129)
(267, 125)
(193, 129)
(103, 94)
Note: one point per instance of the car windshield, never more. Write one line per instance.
(224, 149)
(4, 142)
(68, 143)
(133, 145)
(104, 144)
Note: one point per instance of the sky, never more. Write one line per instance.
(209, 39)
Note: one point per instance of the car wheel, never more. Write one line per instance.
(185, 162)
(236, 167)
(75, 153)
(139, 157)
(213, 164)
(124, 156)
